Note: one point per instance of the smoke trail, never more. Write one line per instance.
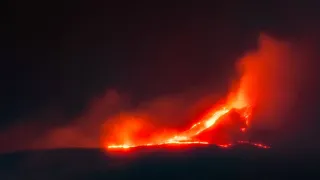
(270, 80)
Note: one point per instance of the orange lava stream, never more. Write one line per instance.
(245, 142)
(186, 136)
(255, 87)
(158, 144)
(187, 143)
(238, 102)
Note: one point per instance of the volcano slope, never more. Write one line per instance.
(187, 162)
(226, 130)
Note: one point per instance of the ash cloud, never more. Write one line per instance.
(85, 130)
(108, 116)
(271, 78)
(269, 75)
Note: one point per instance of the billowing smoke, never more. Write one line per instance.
(111, 115)
(156, 119)
(85, 130)
(269, 79)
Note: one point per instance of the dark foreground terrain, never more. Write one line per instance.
(205, 162)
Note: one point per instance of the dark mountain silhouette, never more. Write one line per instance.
(196, 162)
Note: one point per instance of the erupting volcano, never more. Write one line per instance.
(226, 123)
(237, 105)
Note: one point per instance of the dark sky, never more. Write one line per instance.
(64, 53)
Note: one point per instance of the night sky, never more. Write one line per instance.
(60, 55)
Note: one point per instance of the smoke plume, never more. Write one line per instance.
(269, 79)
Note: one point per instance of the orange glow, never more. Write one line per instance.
(254, 89)
(159, 144)
(123, 147)
(237, 102)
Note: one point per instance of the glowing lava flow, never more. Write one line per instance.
(255, 80)
(259, 145)
(184, 137)
(208, 121)
(159, 144)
